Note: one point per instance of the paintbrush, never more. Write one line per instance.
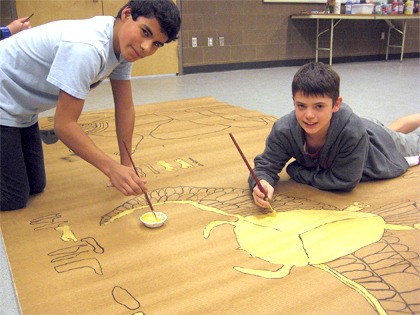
(145, 194)
(254, 176)
(27, 19)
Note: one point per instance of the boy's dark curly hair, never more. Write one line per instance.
(165, 11)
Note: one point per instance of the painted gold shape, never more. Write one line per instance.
(66, 233)
(306, 233)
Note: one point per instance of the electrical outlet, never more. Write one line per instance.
(221, 41)
(194, 42)
(382, 35)
(210, 41)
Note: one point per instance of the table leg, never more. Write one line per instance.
(387, 44)
(318, 35)
(317, 40)
(331, 40)
(402, 32)
(403, 40)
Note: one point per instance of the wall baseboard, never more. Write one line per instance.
(289, 63)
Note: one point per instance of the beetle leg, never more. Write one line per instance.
(267, 274)
(356, 206)
(397, 227)
(212, 225)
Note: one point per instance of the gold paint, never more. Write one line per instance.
(66, 233)
(184, 164)
(124, 213)
(127, 212)
(355, 286)
(306, 237)
(168, 167)
(396, 227)
(356, 206)
(303, 237)
(195, 204)
(151, 218)
(273, 212)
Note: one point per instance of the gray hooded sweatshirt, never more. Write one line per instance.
(356, 149)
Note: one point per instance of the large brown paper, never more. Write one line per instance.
(80, 248)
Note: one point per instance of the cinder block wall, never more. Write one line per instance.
(262, 34)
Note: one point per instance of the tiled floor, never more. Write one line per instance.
(383, 90)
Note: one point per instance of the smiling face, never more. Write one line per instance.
(314, 113)
(137, 39)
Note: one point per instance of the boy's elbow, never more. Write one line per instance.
(58, 130)
(338, 186)
(347, 186)
(63, 127)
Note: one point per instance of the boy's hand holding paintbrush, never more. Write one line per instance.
(260, 198)
(19, 24)
(266, 194)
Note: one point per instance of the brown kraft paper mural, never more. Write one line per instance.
(82, 245)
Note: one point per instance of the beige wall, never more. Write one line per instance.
(257, 32)
(164, 61)
(262, 33)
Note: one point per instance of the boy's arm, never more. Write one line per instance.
(124, 116)
(271, 162)
(67, 113)
(343, 174)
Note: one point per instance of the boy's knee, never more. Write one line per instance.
(38, 188)
(13, 198)
(13, 202)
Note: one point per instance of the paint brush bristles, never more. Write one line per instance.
(145, 194)
(254, 176)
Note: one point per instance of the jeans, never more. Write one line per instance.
(22, 166)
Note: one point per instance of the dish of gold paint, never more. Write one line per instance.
(150, 221)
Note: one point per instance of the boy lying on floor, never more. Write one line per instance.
(333, 148)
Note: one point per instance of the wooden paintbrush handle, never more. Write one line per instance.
(135, 169)
(254, 176)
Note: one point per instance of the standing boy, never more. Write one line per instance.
(333, 148)
(55, 65)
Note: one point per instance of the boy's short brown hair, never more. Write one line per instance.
(318, 79)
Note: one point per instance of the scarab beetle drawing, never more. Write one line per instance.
(304, 237)
(307, 233)
(311, 237)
